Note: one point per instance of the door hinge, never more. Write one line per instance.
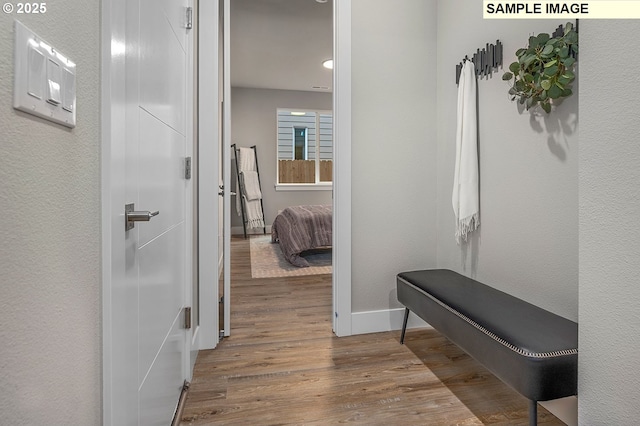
(187, 168)
(220, 335)
(189, 24)
(187, 318)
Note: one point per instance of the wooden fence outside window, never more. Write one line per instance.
(303, 171)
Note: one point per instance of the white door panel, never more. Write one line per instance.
(161, 289)
(161, 176)
(174, 12)
(157, 400)
(124, 322)
(162, 67)
(147, 106)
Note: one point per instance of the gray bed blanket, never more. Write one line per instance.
(301, 228)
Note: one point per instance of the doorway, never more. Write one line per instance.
(277, 48)
(210, 69)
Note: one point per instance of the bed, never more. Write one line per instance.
(301, 228)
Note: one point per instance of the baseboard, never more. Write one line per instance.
(385, 320)
(238, 230)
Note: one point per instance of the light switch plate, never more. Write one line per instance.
(45, 79)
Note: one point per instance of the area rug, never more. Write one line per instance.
(267, 260)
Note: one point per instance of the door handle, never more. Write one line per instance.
(131, 216)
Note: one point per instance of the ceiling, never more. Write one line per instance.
(281, 44)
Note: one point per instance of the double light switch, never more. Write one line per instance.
(45, 79)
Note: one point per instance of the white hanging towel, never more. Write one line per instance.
(246, 159)
(246, 162)
(466, 198)
(251, 185)
(252, 199)
(254, 214)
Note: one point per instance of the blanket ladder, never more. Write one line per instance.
(240, 190)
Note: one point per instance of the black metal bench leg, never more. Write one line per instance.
(533, 413)
(404, 325)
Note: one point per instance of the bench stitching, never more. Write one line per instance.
(491, 334)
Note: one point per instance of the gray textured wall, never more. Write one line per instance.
(254, 122)
(50, 358)
(609, 385)
(393, 146)
(527, 243)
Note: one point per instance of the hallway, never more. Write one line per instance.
(283, 365)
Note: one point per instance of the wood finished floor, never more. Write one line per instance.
(282, 365)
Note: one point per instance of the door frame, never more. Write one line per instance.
(209, 131)
(113, 109)
(226, 161)
(342, 168)
(341, 175)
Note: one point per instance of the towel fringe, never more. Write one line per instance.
(466, 226)
(256, 223)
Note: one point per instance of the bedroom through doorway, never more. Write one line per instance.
(277, 51)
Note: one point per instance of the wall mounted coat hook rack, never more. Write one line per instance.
(486, 60)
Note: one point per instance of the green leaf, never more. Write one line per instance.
(552, 70)
(543, 95)
(572, 37)
(564, 52)
(564, 80)
(566, 93)
(520, 52)
(554, 92)
(560, 85)
(568, 61)
(545, 84)
(533, 42)
(546, 106)
(568, 28)
(542, 38)
(507, 76)
(548, 64)
(514, 67)
(548, 50)
(528, 60)
(528, 78)
(569, 75)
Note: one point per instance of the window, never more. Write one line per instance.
(305, 148)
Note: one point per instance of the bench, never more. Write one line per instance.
(532, 350)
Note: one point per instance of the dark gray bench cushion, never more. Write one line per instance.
(531, 349)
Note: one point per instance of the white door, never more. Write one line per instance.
(148, 134)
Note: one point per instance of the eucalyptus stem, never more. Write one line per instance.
(542, 72)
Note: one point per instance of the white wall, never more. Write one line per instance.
(393, 146)
(609, 317)
(254, 122)
(527, 243)
(50, 356)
